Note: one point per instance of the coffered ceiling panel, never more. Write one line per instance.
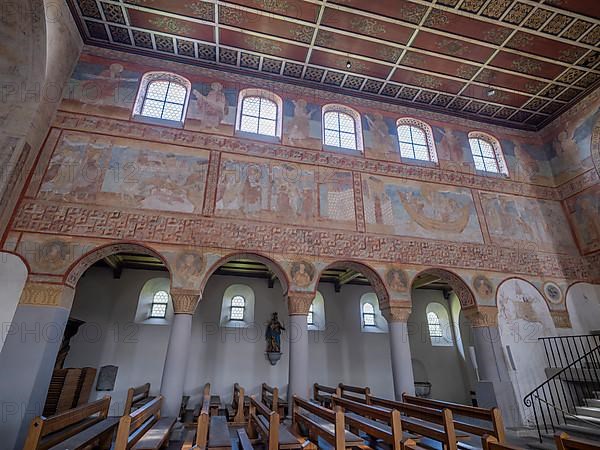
(512, 62)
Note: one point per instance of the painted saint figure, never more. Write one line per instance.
(273, 335)
(212, 107)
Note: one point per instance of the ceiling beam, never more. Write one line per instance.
(115, 263)
(424, 280)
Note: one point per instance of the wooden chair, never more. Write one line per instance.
(564, 442)
(73, 429)
(137, 397)
(378, 423)
(264, 423)
(236, 411)
(322, 394)
(323, 422)
(270, 397)
(361, 394)
(144, 428)
(426, 423)
(491, 416)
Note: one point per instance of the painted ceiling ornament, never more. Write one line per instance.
(596, 147)
(412, 12)
(367, 26)
(170, 25)
(526, 65)
(262, 45)
(483, 286)
(230, 16)
(430, 82)
(324, 38)
(279, 6)
(437, 18)
(202, 10)
(553, 293)
(472, 5)
(521, 40)
(390, 54)
(303, 34)
(497, 35)
(571, 55)
(451, 46)
(412, 59)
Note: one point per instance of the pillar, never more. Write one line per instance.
(175, 368)
(298, 306)
(28, 356)
(494, 387)
(402, 371)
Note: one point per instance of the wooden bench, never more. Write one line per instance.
(322, 394)
(494, 426)
(218, 434)
(564, 442)
(270, 397)
(361, 394)
(426, 423)
(137, 397)
(144, 429)
(203, 420)
(73, 429)
(378, 423)
(215, 403)
(491, 443)
(264, 423)
(323, 422)
(236, 411)
(244, 440)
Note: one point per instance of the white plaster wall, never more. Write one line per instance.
(524, 317)
(13, 274)
(583, 304)
(223, 356)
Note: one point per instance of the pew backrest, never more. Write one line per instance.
(268, 426)
(45, 432)
(357, 393)
(492, 415)
(564, 442)
(323, 394)
(333, 417)
(237, 403)
(136, 395)
(203, 420)
(133, 426)
(270, 396)
(426, 419)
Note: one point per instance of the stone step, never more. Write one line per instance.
(580, 430)
(592, 402)
(583, 419)
(589, 411)
(580, 374)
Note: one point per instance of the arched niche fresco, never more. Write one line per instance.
(458, 285)
(583, 305)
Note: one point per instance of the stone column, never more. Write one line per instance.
(28, 356)
(298, 306)
(174, 370)
(495, 387)
(402, 371)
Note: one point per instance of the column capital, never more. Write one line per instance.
(299, 303)
(37, 293)
(482, 316)
(185, 301)
(397, 311)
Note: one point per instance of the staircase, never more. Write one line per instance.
(569, 400)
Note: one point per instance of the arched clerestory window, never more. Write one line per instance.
(487, 153)
(162, 98)
(342, 128)
(416, 140)
(259, 113)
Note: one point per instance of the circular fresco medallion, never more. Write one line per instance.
(553, 293)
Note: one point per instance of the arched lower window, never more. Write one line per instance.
(416, 140)
(259, 112)
(159, 305)
(487, 154)
(163, 97)
(434, 325)
(238, 308)
(368, 315)
(342, 128)
(310, 318)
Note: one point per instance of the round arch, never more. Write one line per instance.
(76, 269)
(273, 265)
(458, 285)
(370, 273)
(583, 309)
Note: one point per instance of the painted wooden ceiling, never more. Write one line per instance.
(512, 62)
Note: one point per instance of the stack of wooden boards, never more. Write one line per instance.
(68, 388)
(89, 426)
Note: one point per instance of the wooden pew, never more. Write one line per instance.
(491, 443)
(564, 442)
(144, 428)
(264, 423)
(431, 424)
(270, 397)
(320, 421)
(215, 403)
(361, 394)
(322, 394)
(492, 416)
(137, 397)
(244, 440)
(236, 411)
(73, 429)
(203, 420)
(379, 423)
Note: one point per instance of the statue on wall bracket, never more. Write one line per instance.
(273, 337)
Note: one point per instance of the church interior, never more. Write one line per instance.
(300, 224)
